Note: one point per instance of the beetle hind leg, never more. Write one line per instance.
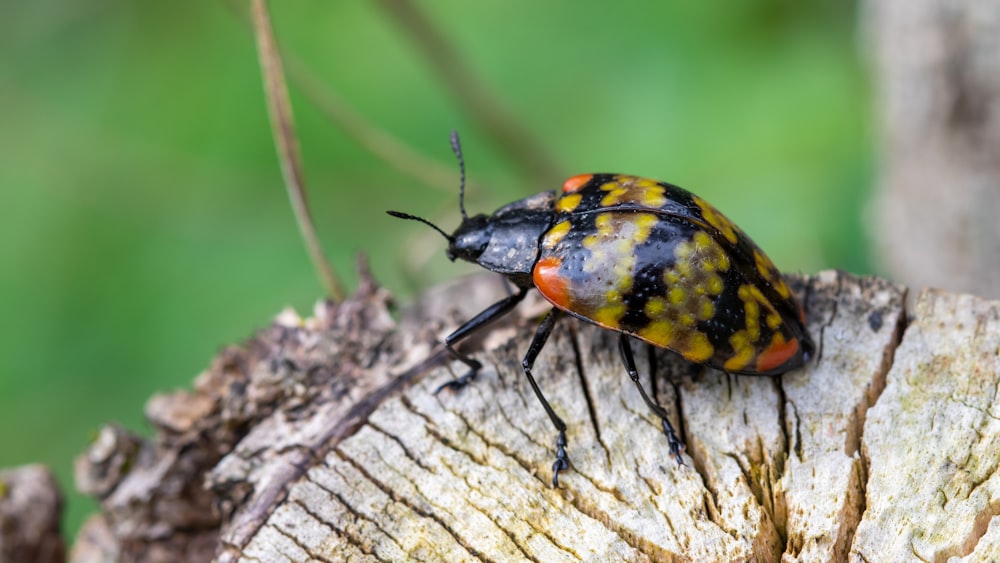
(675, 444)
(473, 325)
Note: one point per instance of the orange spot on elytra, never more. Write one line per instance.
(550, 284)
(777, 353)
(576, 182)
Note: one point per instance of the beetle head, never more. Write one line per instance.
(505, 242)
(473, 235)
(470, 238)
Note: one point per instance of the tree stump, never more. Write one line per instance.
(322, 439)
(30, 506)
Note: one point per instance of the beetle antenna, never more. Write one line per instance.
(456, 147)
(422, 220)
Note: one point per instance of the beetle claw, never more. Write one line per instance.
(562, 460)
(457, 383)
(674, 443)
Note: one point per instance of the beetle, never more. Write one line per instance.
(643, 258)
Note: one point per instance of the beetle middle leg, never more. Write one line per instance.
(674, 442)
(487, 316)
(541, 335)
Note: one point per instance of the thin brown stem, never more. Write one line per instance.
(286, 142)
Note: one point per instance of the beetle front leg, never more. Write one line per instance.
(487, 316)
(541, 335)
(675, 444)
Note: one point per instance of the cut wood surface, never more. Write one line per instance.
(322, 439)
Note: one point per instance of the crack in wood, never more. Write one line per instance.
(582, 507)
(357, 540)
(503, 529)
(880, 379)
(292, 539)
(777, 465)
(396, 497)
(317, 520)
(406, 452)
(502, 448)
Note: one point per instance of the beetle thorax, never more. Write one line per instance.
(505, 242)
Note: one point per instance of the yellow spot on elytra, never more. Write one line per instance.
(684, 269)
(613, 198)
(655, 307)
(752, 299)
(676, 295)
(770, 272)
(630, 189)
(568, 203)
(703, 241)
(714, 284)
(698, 348)
(555, 234)
(721, 261)
(782, 289)
(658, 332)
(764, 265)
(716, 219)
(654, 197)
(742, 352)
(686, 319)
(773, 321)
(752, 310)
(706, 310)
(644, 223)
(610, 315)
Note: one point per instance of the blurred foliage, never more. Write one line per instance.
(143, 224)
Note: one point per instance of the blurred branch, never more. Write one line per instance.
(377, 141)
(477, 100)
(283, 127)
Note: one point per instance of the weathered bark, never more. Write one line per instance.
(30, 506)
(323, 439)
(937, 77)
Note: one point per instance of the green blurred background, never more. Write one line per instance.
(143, 223)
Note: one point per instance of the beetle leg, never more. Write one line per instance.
(541, 335)
(487, 316)
(675, 444)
